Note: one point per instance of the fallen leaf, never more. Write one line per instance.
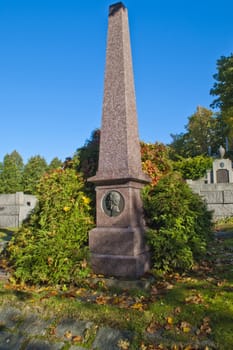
(185, 327)
(221, 283)
(205, 327)
(77, 339)
(70, 294)
(68, 335)
(170, 320)
(52, 330)
(102, 300)
(81, 291)
(154, 291)
(195, 299)
(123, 344)
(49, 295)
(137, 306)
(177, 310)
(153, 327)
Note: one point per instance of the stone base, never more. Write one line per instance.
(120, 265)
(117, 241)
(119, 251)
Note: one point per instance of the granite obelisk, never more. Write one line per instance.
(117, 244)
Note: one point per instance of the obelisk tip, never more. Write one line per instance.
(115, 8)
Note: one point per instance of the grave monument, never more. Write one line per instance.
(216, 188)
(117, 243)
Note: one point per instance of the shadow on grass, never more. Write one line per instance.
(6, 234)
(20, 295)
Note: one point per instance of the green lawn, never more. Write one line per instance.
(176, 312)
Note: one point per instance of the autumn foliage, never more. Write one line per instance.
(155, 160)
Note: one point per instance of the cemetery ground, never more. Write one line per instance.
(187, 311)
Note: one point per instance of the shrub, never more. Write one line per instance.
(52, 245)
(179, 224)
(193, 168)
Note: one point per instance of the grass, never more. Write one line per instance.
(224, 225)
(189, 311)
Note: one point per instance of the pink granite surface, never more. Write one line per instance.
(119, 155)
(117, 244)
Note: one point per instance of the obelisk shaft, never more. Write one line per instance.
(120, 155)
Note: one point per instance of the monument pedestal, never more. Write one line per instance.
(121, 266)
(117, 244)
(119, 252)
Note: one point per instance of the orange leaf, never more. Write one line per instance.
(101, 300)
(52, 330)
(77, 339)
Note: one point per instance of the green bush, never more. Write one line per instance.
(52, 245)
(179, 224)
(193, 168)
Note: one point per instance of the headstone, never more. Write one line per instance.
(222, 176)
(117, 244)
(222, 169)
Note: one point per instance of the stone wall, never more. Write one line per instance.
(14, 208)
(218, 196)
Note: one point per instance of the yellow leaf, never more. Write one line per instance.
(66, 208)
(170, 320)
(137, 306)
(68, 335)
(86, 200)
(185, 327)
(81, 291)
(175, 347)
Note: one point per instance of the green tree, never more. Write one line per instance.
(88, 155)
(55, 163)
(206, 131)
(86, 161)
(223, 89)
(33, 170)
(11, 173)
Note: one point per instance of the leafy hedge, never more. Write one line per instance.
(51, 247)
(193, 168)
(179, 224)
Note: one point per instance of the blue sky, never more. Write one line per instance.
(52, 58)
